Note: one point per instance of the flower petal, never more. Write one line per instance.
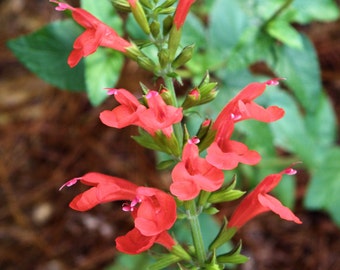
(134, 242)
(276, 206)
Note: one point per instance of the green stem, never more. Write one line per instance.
(196, 231)
(170, 86)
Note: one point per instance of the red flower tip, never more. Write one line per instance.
(112, 91)
(274, 81)
(182, 11)
(70, 183)
(132, 3)
(290, 171)
(194, 140)
(206, 122)
(61, 6)
(195, 94)
(151, 94)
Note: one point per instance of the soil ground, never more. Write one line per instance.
(48, 136)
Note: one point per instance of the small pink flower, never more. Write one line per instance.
(96, 34)
(194, 174)
(153, 210)
(182, 11)
(259, 201)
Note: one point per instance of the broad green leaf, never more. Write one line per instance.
(284, 32)
(324, 189)
(194, 32)
(102, 68)
(227, 21)
(290, 132)
(316, 10)
(301, 69)
(322, 126)
(45, 53)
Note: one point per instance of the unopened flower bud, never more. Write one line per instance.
(167, 24)
(146, 3)
(166, 96)
(155, 28)
(121, 5)
(174, 40)
(206, 134)
(168, 3)
(163, 57)
(139, 14)
(192, 99)
(183, 57)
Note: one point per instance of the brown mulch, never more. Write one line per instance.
(48, 136)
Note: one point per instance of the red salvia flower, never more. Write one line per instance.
(96, 34)
(159, 115)
(126, 113)
(153, 210)
(225, 153)
(194, 174)
(243, 107)
(259, 201)
(182, 11)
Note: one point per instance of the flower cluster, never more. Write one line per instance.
(153, 211)
(161, 124)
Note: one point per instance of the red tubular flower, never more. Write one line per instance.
(182, 11)
(259, 201)
(96, 34)
(194, 174)
(153, 210)
(159, 115)
(125, 114)
(225, 153)
(243, 107)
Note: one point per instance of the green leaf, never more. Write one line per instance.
(324, 189)
(284, 32)
(301, 69)
(103, 68)
(227, 21)
(233, 256)
(316, 10)
(45, 53)
(322, 125)
(194, 32)
(290, 132)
